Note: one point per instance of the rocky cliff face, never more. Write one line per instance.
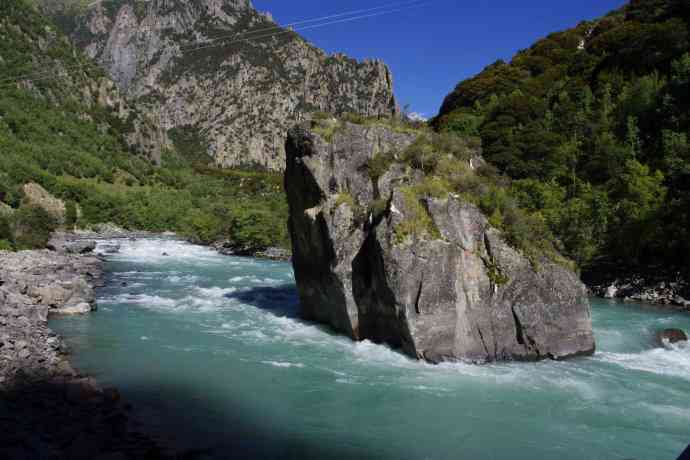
(216, 69)
(456, 292)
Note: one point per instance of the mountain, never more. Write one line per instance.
(221, 73)
(65, 126)
(591, 126)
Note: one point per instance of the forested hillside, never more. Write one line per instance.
(64, 126)
(592, 126)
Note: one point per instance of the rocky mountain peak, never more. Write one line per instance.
(222, 71)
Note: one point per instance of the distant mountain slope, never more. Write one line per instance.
(592, 124)
(238, 95)
(644, 36)
(35, 58)
(64, 125)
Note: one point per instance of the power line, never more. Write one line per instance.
(307, 21)
(48, 74)
(299, 29)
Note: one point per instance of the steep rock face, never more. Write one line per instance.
(463, 294)
(226, 72)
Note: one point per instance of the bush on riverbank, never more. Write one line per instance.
(90, 168)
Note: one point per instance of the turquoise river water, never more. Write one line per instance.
(210, 352)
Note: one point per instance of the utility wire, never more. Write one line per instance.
(299, 29)
(49, 74)
(307, 21)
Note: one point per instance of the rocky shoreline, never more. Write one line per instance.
(228, 248)
(52, 411)
(670, 290)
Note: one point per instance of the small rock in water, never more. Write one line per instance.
(165, 254)
(611, 292)
(671, 336)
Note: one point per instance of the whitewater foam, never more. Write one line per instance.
(673, 362)
(283, 364)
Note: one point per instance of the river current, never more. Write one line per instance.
(212, 355)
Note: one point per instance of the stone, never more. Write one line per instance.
(6, 210)
(70, 244)
(671, 336)
(35, 284)
(35, 195)
(680, 301)
(81, 247)
(77, 309)
(611, 292)
(463, 294)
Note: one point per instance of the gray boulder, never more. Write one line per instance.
(611, 292)
(458, 292)
(70, 244)
(671, 336)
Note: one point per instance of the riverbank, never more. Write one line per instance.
(49, 409)
(655, 286)
(228, 248)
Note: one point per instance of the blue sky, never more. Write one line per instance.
(431, 48)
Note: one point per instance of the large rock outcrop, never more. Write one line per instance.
(460, 293)
(220, 76)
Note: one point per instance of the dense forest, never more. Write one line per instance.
(591, 126)
(53, 131)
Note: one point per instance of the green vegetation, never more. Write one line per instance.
(32, 227)
(418, 222)
(74, 149)
(347, 199)
(592, 127)
(495, 273)
(445, 161)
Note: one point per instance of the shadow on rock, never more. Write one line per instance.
(280, 300)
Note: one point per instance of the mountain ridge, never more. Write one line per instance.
(239, 96)
(591, 125)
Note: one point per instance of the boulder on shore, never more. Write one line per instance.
(63, 242)
(35, 195)
(461, 294)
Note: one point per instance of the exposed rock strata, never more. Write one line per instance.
(235, 97)
(462, 295)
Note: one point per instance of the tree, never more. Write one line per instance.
(71, 214)
(33, 227)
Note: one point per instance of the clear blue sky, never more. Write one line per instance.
(431, 48)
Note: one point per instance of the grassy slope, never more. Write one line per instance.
(52, 134)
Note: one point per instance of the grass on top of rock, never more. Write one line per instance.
(445, 164)
(327, 125)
